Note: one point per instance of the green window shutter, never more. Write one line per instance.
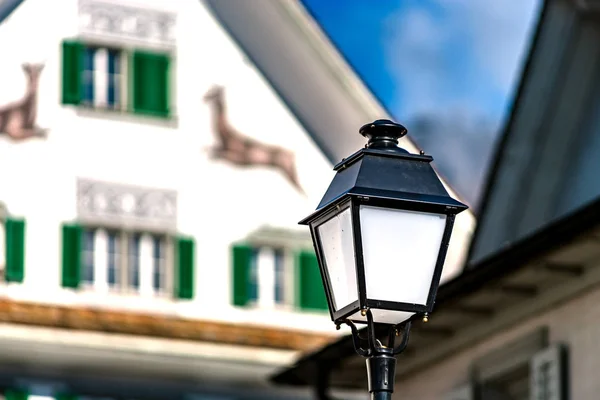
(13, 394)
(311, 294)
(151, 83)
(72, 65)
(184, 266)
(15, 249)
(242, 257)
(71, 255)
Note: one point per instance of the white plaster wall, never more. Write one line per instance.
(218, 203)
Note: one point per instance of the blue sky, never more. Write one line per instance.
(435, 57)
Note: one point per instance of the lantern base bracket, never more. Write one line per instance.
(381, 371)
(381, 360)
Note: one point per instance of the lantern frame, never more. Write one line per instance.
(358, 182)
(353, 202)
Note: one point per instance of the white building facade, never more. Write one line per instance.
(122, 193)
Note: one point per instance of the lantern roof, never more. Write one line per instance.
(383, 169)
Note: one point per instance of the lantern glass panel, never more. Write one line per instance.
(336, 240)
(400, 251)
(381, 316)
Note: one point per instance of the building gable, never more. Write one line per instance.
(226, 160)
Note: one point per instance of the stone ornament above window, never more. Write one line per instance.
(118, 204)
(126, 22)
(281, 237)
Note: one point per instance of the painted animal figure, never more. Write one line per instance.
(242, 150)
(18, 119)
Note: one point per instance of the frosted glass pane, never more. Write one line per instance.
(338, 248)
(383, 316)
(400, 249)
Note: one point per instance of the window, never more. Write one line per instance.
(88, 76)
(252, 282)
(114, 264)
(550, 372)
(133, 278)
(127, 261)
(88, 256)
(114, 79)
(271, 276)
(513, 385)
(505, 373)
(98, 77)
(280, 276)
(101, 78)
(159, 264)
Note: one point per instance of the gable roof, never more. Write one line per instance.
(534, 166)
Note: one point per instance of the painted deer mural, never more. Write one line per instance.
(242, 150)
(18, 119)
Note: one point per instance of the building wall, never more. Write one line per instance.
(574, 323)
(217, 203)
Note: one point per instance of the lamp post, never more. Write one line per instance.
(381, 232)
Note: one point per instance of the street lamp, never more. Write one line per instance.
(381, 232)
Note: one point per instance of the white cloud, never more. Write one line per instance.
(453, 61)
(493, 35)
(413, 48)
(501, 32)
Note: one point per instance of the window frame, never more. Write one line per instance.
(83, 283)
(168, 259)
(115, 288)
(120, 104)
(509, 358)
(290, 243)
(126, 50)
(123, 260)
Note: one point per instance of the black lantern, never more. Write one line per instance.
(381, 233)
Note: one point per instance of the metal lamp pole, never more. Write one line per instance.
(380, 359)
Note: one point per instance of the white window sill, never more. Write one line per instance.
(280, 308)
(290, 318)
(171, 121)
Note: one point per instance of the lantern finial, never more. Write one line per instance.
(383, 134)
